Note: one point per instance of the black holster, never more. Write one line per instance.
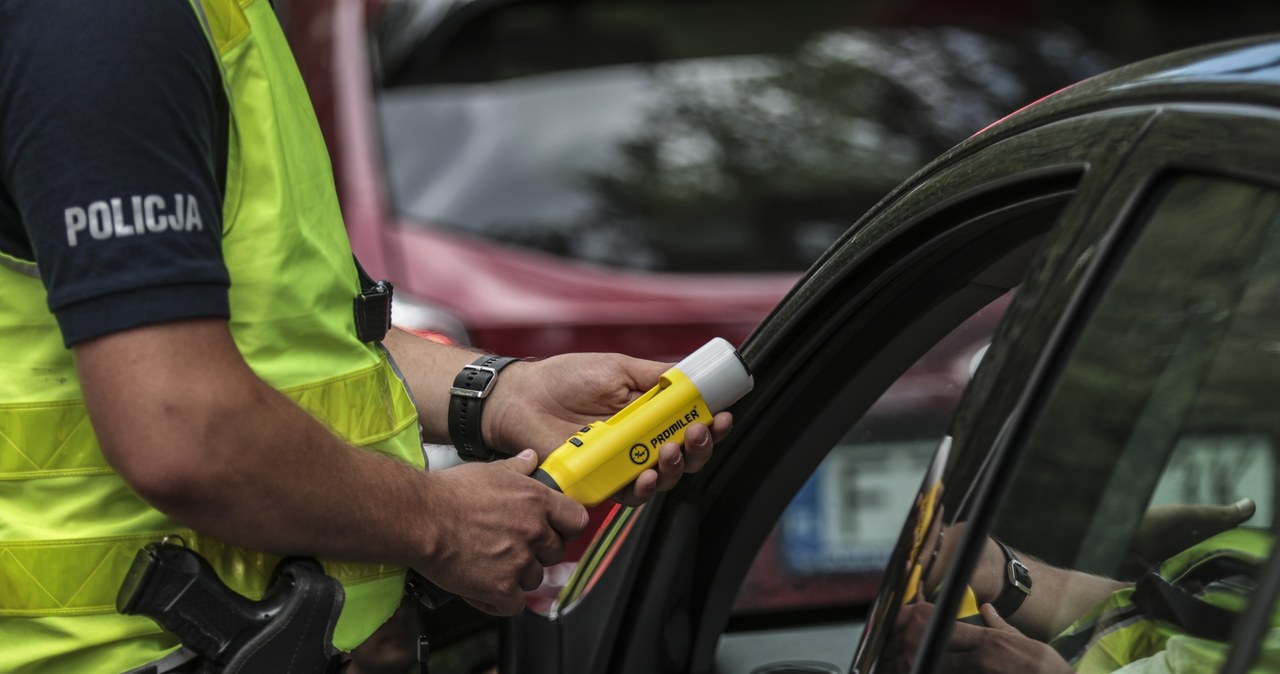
(289, 630)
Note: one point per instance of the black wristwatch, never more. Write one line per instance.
(1017, 583)
(470, 388)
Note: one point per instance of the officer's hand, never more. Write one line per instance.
(539, 404)
(493, 530)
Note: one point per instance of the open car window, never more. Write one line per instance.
(1140, 510)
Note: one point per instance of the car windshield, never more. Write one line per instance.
(737, 136)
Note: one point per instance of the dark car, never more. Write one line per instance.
(1137, 218)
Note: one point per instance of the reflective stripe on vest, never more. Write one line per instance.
(81, 576)
(364, 408)
(69, 526)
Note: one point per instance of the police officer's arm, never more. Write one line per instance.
(537, 404)
(197, 434)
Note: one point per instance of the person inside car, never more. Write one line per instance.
(1071, 621)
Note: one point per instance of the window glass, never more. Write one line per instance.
(1139, 512)
(832, 543)
(1218, 468)
(666, 136)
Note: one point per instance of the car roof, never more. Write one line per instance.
(1239, 71)
(1245, 71)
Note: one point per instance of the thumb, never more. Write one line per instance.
(1240, 511)
(994, 621)
(564, 514)
(1210, 519)
(645, 372)
(523, 463)
(1168, 529)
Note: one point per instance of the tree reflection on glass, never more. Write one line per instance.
(764, 161)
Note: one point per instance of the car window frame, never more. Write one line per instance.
(958, 181)
(1001, 416)
(928, 209)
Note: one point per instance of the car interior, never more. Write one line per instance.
(1157, 410)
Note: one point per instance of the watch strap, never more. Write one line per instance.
(1017, 582)
(471, 387)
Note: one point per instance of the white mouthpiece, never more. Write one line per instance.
(719, 373)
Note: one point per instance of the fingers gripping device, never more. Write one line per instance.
(605, 456)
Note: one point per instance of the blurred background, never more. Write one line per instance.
(544, 176)
(541, 176)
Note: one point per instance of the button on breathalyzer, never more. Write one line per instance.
(607, 455)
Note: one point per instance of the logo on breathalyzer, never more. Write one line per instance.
(639, 454)
(657, 440)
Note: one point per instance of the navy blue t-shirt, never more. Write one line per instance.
(113, 127)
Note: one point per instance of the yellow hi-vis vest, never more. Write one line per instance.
(69, 526)
(1183, 630)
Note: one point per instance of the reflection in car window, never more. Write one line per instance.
(658, 135)
(610, 536)
(1138, 514)
(832, 543)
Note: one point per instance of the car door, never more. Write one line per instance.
(1120, 433)
(941, 249)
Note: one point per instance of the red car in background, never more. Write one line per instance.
(543, 176)
(476, 288)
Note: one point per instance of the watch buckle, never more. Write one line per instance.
(1017, 571)
(472, 393)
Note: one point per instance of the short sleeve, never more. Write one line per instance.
(112, 151)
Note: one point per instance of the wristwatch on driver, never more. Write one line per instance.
(1017, 583)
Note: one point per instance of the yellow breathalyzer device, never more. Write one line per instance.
(605, 456)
